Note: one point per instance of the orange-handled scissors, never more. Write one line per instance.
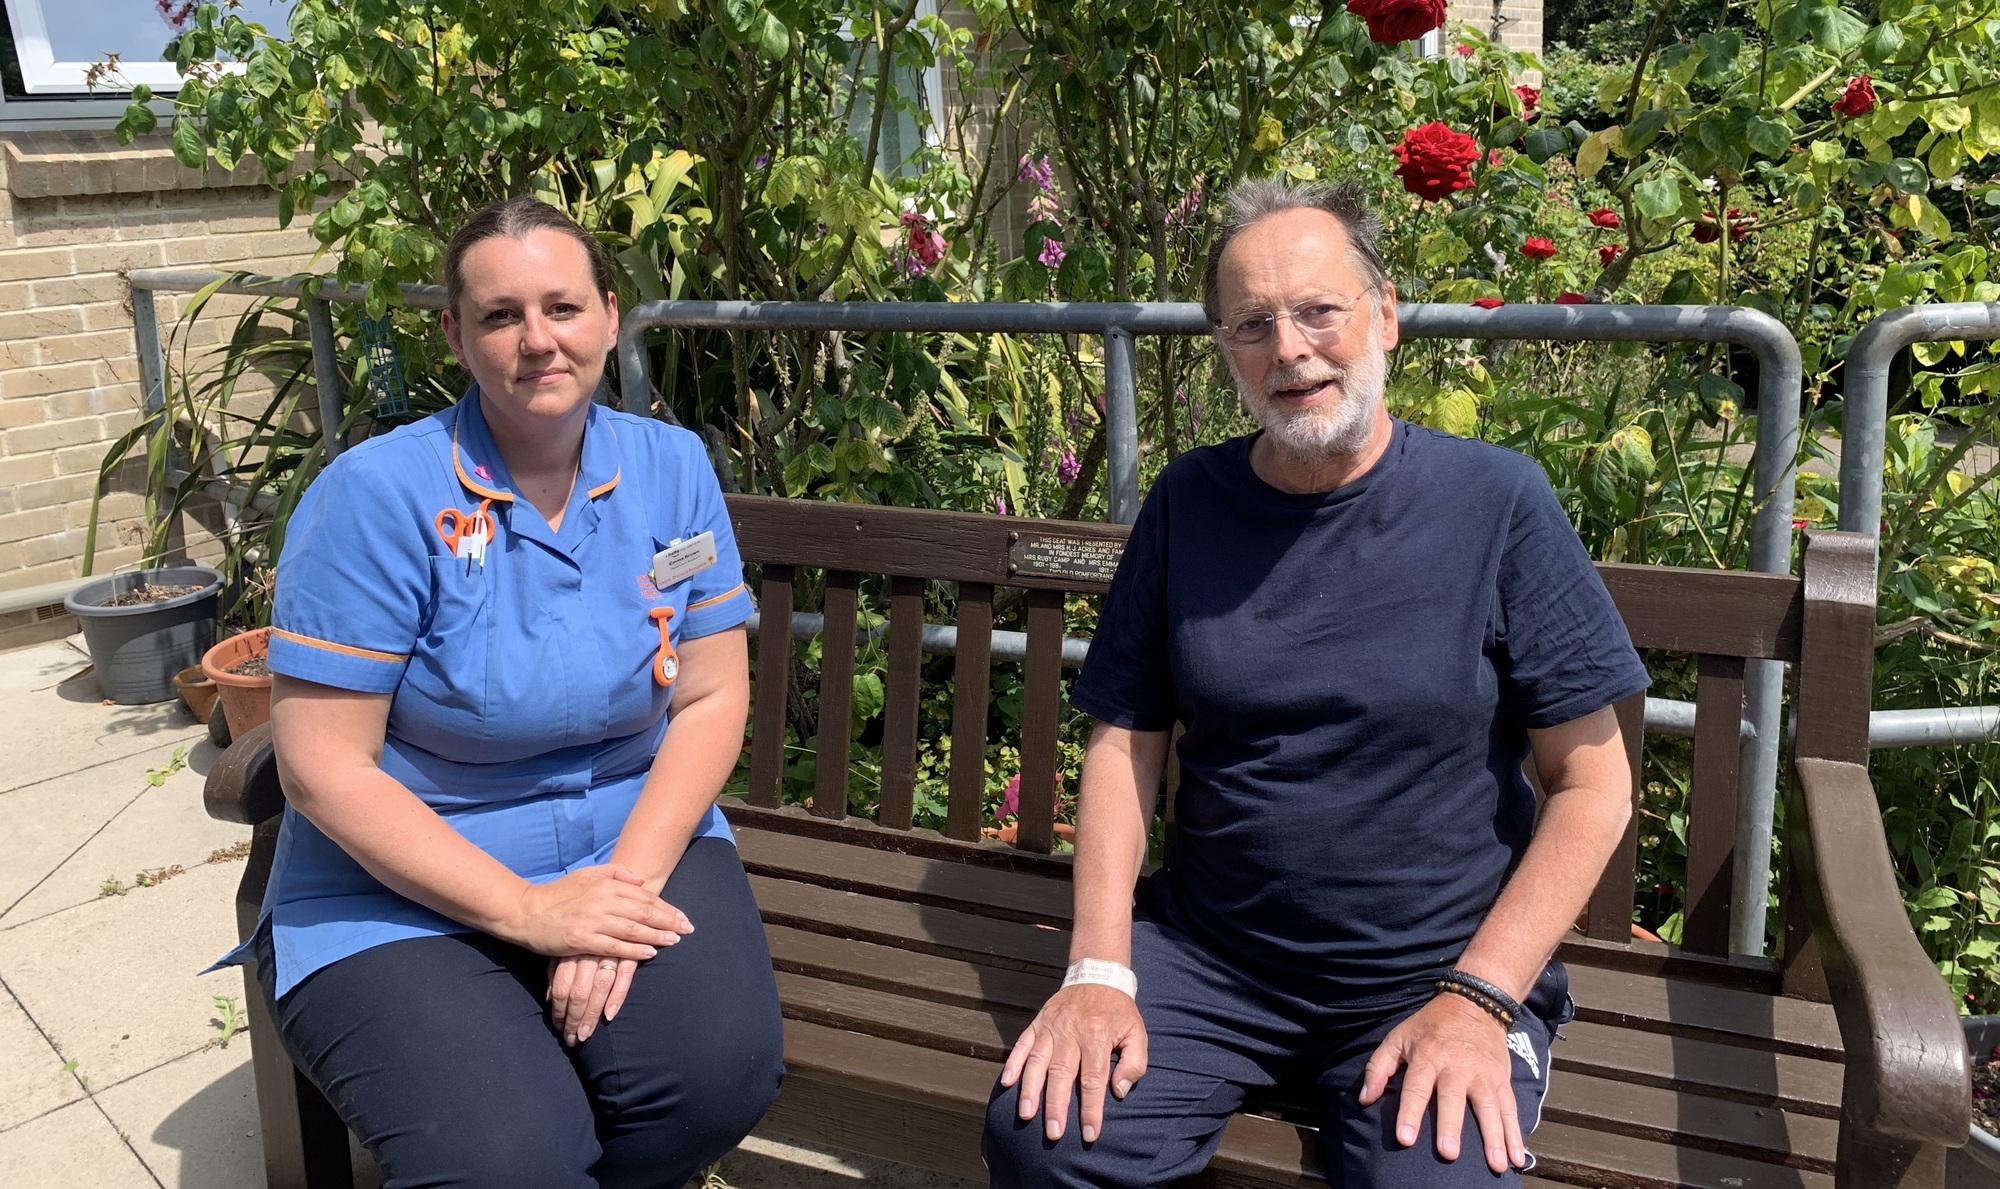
(667, 665)
(456, 526)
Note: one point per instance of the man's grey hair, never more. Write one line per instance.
(1259, 197)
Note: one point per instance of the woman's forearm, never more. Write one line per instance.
(334, 779)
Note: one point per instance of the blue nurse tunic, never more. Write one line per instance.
(524, 709)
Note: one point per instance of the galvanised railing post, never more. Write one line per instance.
(1121, 424)
(326, 375)
(152, 355)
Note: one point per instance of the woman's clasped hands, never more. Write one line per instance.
(596, 924)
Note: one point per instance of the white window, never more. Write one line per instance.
(50, 46)
(918, 86)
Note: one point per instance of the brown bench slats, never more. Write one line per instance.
(1744, 973)
(1720, 611)
(1748, 1076)
(969, 691)
(1751, 1076)
(1727, 1015)
(1041, 719)
(970, 1032)
(1711, 839)
(1608, 916)
(1001, 894)
(1579, 1156)
(1768, 1135)
(836, 693)
(774, 642)
(918, 927)
(903, 698)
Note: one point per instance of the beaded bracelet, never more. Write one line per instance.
(1489, 998)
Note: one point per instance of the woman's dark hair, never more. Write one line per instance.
(515, 218)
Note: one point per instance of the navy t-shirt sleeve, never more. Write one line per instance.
(1127, 677)
(1564, 650)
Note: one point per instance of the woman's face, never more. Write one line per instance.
(531, 326)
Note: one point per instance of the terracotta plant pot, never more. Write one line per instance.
(197, 692)
(246, 701)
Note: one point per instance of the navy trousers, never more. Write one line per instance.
(1215, 1034)
(439, 1054)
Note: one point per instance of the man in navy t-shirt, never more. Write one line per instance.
(1366, 628)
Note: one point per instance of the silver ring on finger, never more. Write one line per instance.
(608, 964)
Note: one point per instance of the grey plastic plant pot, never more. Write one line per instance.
(1977, 1164)
(137, 650)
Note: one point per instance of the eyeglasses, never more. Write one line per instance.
(1314, 318)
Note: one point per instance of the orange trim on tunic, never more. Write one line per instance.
(607, 485)
(725, 595)
(368, 654)
(482, 489)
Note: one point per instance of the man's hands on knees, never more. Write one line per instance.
(1458, 1053)
(1070, 1045)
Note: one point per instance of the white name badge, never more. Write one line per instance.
(683, 560)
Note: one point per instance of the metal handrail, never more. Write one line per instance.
(1774, 462)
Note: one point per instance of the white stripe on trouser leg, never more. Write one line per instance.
(1523, 1046)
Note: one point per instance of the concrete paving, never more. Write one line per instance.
(116, 889)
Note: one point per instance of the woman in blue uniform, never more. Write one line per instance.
(507, 933)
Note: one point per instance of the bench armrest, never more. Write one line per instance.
(243, 785)
(1906, 1073)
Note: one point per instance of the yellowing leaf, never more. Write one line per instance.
(1597, 149)
(1270, 134)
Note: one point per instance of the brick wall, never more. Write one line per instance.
(76, 212)
(1520, 21)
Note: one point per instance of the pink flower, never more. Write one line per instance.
(1569, 297)
(1488, 303)
(1494, 157)
(1800, 522)
(1537, 248)
(1531, 101)
(1000, 504)
(1036, 170)
(1052, 253)
(1858, 97)
(1436, 160)
(1463, 49)
(925, 244)
(479, 468)
(1067, 467)
(1604, 217)
(1010, 800)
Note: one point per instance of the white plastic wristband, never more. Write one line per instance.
(1097, 970)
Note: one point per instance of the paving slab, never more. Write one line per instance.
(68, 729)
(154, 829)
(32, 1081)
(761, 1163)
(69, 1149)
(194, 1121)
(114, 983)
(40, 667)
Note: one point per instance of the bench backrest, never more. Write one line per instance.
(1722, 618)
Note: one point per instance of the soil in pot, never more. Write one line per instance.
(255, 666)
(140, 596)
(1986, 1094)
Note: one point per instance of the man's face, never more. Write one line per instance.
(1316, 393)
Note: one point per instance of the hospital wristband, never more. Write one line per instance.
(1097, 970)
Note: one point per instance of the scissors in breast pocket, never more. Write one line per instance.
(467, 534)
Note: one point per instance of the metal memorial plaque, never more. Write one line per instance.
(1086, 559)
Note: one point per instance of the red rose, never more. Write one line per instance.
(1604, 217)
(1706, 232)
(1537, 248)
(1858, 97)
(1488, 303)
(1531, 101)
(1462, 49)
(1739, 224)
(1608, 253)
(1391, 21)
(1568, 298)
(1436, 160)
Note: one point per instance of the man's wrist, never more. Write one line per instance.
(1104, 973)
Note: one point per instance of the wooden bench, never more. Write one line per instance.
(908, 959)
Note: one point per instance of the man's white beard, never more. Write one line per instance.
(1320, 433)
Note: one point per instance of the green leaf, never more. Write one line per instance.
(138, 120)
(1684, 289)
(1906, 175)
(1884, 41)
(1835, 29)
(1543, 143)
(1769, 137)
(265, 73)
(775, 39)
(1641, 131)
(186, 142)
(1658, 197)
